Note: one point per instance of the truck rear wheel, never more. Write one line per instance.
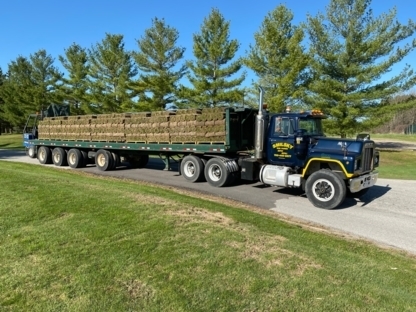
(325, 189)
(216, 173)
(104, 160)
(59, 157)
(44, 155)
(75, 158)
(192, 168)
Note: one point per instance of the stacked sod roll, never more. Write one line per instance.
(197, 126)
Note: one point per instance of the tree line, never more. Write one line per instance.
(336, 61)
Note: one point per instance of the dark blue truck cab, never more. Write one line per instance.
(296, 153)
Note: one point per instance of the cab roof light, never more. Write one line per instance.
(316, 112)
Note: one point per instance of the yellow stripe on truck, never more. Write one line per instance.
(348, 175)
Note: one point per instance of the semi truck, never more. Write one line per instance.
(218, 145)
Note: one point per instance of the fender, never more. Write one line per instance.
(348, 175)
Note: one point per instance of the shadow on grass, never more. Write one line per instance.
(11, 147)
(9, 153)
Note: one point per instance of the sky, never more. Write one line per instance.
(28, 25)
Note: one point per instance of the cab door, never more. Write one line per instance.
(280, 149)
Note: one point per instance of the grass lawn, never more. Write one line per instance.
(397, 165)
(411, 138)
(76, 242)
(11, 141)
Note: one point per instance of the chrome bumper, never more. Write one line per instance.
(362, 182)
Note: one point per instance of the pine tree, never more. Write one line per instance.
(212, 75)
(45, 77)
(74, 90)
(30, 86)
(279, 60)
(352, 51)
(17, 92)
(157, 58)
(111, 72)
(2, 120)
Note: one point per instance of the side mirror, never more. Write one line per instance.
(363, 137)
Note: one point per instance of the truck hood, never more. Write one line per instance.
(338, 145)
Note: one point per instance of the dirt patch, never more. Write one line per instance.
(201, 215)
(154, 200)
(138, 289)
(260, 247)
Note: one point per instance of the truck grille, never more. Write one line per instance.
(367, 157)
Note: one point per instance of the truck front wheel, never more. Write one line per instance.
(192, 168)
(44, 155)
(325, 189)
(216, 173)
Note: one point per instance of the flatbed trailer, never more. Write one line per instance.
(223, 133)
(164, 150)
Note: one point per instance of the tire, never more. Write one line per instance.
(358, 194)
(116, 160)
(75, 158)
(44, 155)
(59, 157)
(216, 173)
(138, 161)
(192, 168)
(235, 178)
(31, 152)
(85, 159)
(325, 189)
(104, 160)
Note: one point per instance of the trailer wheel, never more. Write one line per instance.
(192, 168)
(31, 152)
(216, 173)
(104, 160)
(44, 155)
(59, 157)
(116, 160)
(325, 189)
(85, 159)
(75, 158)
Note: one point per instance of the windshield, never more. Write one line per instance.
(312, 126)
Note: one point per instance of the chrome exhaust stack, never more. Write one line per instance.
(260, 128)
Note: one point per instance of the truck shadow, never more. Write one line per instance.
(377, 191)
